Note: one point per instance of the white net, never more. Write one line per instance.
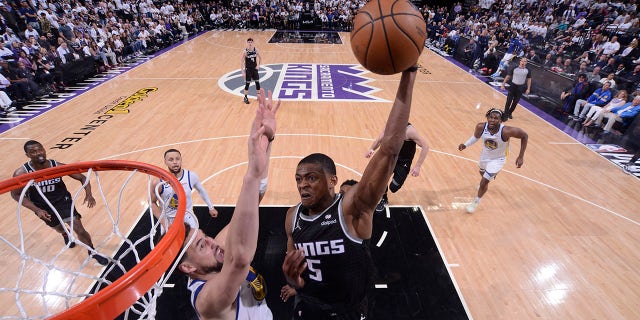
(46, 275)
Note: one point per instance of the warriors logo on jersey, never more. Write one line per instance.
(490, 144)
(173, 202)
(257, 284)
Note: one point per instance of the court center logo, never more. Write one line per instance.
(308, 81)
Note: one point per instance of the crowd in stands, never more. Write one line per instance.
(597, 39)
(43, 43)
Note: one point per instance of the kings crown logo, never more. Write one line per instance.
(308, 81)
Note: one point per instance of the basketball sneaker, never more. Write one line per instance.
(68, 242)
(9, 108)
(471, 208)
(99, 258)
(246, 100)
(383, 202)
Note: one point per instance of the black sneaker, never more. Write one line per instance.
(100, 258)
(246, 100)
(383, 202)
(68, 242)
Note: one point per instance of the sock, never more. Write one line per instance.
(476, 200)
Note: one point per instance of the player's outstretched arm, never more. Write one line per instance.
(359, 205)
(242, 237)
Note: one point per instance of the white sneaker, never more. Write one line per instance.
(9, 108)
(471, 208)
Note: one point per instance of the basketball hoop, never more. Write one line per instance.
(140, 284)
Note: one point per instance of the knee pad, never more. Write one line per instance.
(246, 86)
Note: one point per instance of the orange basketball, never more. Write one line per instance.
(388, 36)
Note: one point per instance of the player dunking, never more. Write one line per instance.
(495, 147)
(328, 261)
(250, 64)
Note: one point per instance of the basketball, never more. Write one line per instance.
(388, 36)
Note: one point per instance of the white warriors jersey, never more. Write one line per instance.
(250, 303)
(170, 199)
(493, 147)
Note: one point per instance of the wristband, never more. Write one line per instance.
(263, 186)
(471, 141)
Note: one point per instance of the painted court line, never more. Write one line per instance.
(356, 172)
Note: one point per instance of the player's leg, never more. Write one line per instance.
(54, 223)
(383, 202)
(65, 236)
(488, 170)
(247, 81)
(85, 237)
(400, 174)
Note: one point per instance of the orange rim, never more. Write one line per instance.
(114, 299)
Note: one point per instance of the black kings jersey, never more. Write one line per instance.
(339, 266)
(250, 58)
(54, 189)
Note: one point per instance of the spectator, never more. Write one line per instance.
(31, 32)
(548, 61)
(609, 79)
(533, 57)
(65, 53)
(468, 53)
(558, 65)
(633, 77)
(599, 97)
(5, 53)
(578, 91)
(602, 61)
(23, 88)
(610, 47)
(610, 66)
(594, 75)
(594, 116)
(6, 105)
(568, 68)
(623, 114)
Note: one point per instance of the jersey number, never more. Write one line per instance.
(313, 265)
(48, 188)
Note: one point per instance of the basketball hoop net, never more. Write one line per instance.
(54, 281)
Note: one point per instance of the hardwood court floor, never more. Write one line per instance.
(555, 239)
